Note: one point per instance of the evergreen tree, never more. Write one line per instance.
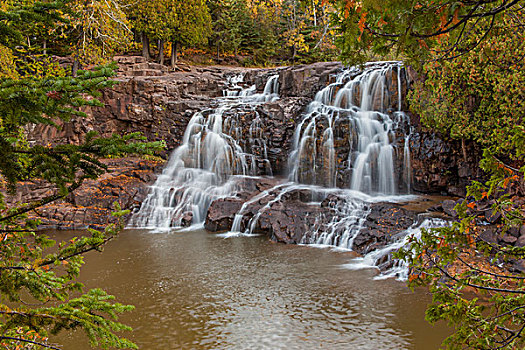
(191, 25)
(233, 27)
(39, 293)
(180, 22)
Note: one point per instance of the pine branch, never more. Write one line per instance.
(42, 202)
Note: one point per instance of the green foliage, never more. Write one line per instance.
(95, 30)
(39, 294)
(185, 22)
(21, 22)
(479, 96)
(483, 303)
(232, 24)
(470, 56)
(29, 272)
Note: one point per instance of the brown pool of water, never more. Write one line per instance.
(195, 290)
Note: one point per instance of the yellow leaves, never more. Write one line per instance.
(7, 63)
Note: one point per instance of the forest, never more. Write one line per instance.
(467, 60)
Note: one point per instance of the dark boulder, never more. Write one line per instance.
(221, 214)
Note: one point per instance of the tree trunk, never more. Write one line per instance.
(44, 46)
(75, 68)
(161, 51)
(315, 14)
(145, 46)
(464, 149)
(218, 52)
(174, 48)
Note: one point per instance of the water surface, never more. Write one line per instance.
(196, 290)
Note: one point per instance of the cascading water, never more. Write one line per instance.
(362, 110)
(382, 259)
(356, 110)
(212, 151)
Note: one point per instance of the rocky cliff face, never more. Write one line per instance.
(158, 103)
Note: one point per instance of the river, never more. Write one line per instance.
(196, 290)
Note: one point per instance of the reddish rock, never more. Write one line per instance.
(91, 205)
(221, 214)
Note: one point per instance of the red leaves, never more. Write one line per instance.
(55, 95)
(362, 22)
(509, 179)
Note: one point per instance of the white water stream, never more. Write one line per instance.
(202, 169)
(357, 106)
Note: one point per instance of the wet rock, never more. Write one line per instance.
(520, 242)
(298, 80)
(492, 217)
(489, 235)
(161, 104)
(448, 207)
(222, 211)
(384, 221)
(514, 231)
(509, 239)
(518, 266)
(221, 214)
(289, 223)
(439, 165)
(186, 219)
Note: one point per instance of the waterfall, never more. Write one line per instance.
(350, 148)
(356, 110)
(382, 260)
(212, 152)
(343, 227)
